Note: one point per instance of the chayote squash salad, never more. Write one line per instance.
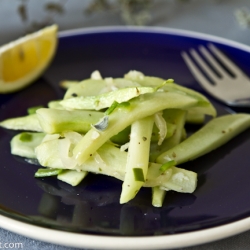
(130, 128)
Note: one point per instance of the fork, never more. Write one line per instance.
(219, 76)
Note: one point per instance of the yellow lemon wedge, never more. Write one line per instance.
(25, 59)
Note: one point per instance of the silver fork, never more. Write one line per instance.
(232, 89)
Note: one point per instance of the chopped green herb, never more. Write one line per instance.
(25, 137)
(138, 174)
(45, 172)
(167, 165)
(124, 105)
(115, 105)
(111, 108)
(32, 110)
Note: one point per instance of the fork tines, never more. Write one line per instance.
(218, 75)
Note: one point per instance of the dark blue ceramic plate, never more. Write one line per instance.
(90, 215)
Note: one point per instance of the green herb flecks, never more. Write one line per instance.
(167, 165)
(46, 172)
(32, 110)
(25, 137)
(124, 105)
(138, 174)
(111, 108)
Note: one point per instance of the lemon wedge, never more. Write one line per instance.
(24, 60)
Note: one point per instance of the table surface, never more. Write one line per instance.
(215, 17)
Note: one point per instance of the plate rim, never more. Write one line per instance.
(187, 239)
(173, 241)
(155, 30)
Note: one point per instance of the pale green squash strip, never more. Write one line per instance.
(140, 107)
(178, 117)
(104, 100)
(138, 157)
(56, 121)
(213, 135)
(28, 123)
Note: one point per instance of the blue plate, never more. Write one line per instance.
(92, 210)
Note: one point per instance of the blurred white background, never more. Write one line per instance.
(216, 17)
